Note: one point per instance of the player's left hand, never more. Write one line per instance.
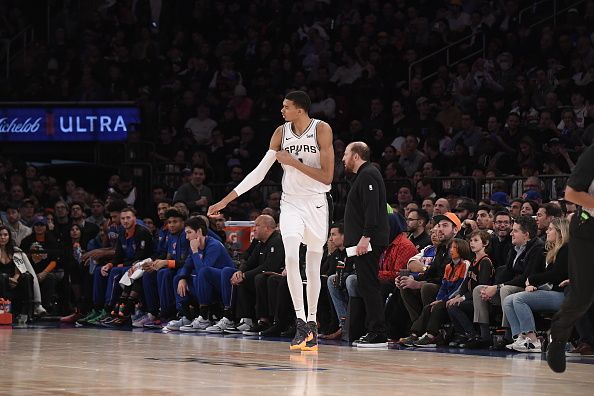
(285, 158)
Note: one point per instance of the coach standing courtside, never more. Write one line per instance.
(579, 190)
(365, 223)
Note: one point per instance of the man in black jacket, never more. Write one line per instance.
(366, 224)
(266, 258)
(525, 259)
(501, 239)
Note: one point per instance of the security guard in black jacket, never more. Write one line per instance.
(579, 190)
(366, 223)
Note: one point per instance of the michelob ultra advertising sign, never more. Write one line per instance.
(66, 122)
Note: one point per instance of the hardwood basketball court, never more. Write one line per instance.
(89, 361)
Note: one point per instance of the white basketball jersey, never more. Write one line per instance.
(307, 150)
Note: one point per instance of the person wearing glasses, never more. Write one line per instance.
(501, 238)
(416, 222)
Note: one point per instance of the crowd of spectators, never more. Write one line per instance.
(209, 78)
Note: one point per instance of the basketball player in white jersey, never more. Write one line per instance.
(304, 148)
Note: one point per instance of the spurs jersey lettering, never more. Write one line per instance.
(306, 149)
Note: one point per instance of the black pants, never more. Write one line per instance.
(415, 299)
(367, 266)
(246, 297)
(21, 296)
(397, 317)
(430, 320)
(462, 316)
(581, 276)
(279, 299)
(326, 312)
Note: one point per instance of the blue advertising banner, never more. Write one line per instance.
(63, 123)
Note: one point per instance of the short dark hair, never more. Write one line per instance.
(484, 235)
(422, 214)
(174, 213)
(527, 224)
(77, 203)
(129, 209)
(197, 223)
(552, 210)
(300, 99)
(486, 208)
(503, 213)
(338, 225)
(166, 200)
(180, 201)
(361, 149)
(198, 167)
(116, 206)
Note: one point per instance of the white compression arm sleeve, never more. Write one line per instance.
(258, 174)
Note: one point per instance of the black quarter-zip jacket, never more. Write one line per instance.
(366, 208)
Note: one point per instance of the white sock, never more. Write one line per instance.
(313, 262)
(294, 280)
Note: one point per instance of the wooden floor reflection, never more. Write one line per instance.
(73, 361)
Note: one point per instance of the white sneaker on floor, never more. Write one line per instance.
(175, 325)
(144, 319)
(529, 346)
(519, 342)
(222, 326)
(198, 324)
(245, 324)
(39, 310)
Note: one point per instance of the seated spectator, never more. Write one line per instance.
(526, 259)
(544, 215)
(76, 274)
(77, 215)
(424, 331)
(337, 267)
(48, 273)
(195, 194)
(428, 205)
(500, 238)
(543, 291)
(411, 158)
(27, 212)
(416, 223)
(16, 282)
(420, 263)
(97, 212)
(417, 294)
(18, 230)
(460, 306)
(397, 254)
(529, 208)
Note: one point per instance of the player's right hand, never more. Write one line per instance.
(215, 209)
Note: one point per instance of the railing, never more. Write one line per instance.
(545, 10)
(20, 42)
(551, 187)
(448, 50)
